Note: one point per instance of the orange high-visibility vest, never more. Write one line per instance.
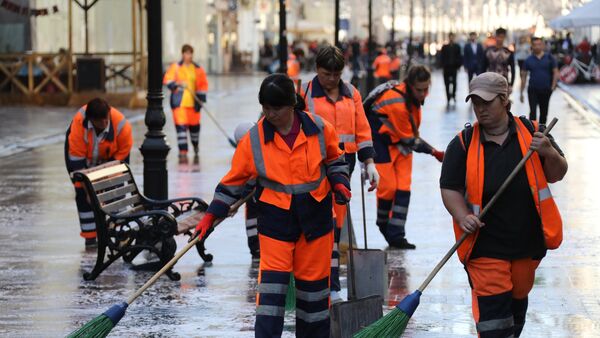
(544, 202)
(395, 115)
(347, 115)
(176, 74)
(293, 67)
(82, 148)
(382, 66)
(263, 155)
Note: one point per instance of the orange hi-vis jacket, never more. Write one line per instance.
(176, 74)
(397, 124)
(292, 184)
(347, 115)
(382, 66)
(544, 202)
(85, 149)
(395, 64)
(293, 67)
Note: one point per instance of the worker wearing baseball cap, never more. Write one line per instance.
(507, 244)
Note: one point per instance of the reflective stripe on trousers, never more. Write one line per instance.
(87, 222)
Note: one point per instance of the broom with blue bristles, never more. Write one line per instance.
(394, 323)
(101, 326)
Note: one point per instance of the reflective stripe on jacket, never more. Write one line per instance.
(393, 132)
(293, 185)
(544, 202)
(347, 115)
(176, 74)
(82, 149)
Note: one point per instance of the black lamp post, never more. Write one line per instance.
(370, 47)
(336, 40)
(283, 46)
(155, 147)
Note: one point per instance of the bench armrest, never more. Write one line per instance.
(137, 215)
(178, 206)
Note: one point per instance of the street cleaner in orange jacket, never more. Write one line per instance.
(340, 104)
(98, 133)
(505, 246)
(296, 162)
(184, 78)
(395, 117)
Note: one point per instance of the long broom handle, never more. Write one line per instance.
(485, 210)
(362, 195)
(202, 105)
(352, 294)
(183, 251)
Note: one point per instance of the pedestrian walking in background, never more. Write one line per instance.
(499, 59)
(340, 104)
(543, 78)
(451, 61)
(381, 67)
(505, 246)
(473, 56)
(296, 162)
(522, 51)
(97, 134)
(395, 117)
(186, 79)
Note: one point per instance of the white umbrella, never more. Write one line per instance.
(584, 16)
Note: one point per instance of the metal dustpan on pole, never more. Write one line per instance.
(347, 318)
(371, 264)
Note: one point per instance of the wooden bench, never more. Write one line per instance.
(128, 223)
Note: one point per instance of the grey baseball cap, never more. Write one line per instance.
(487, 86)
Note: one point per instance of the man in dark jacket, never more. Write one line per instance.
(473, 56)
(451, 61)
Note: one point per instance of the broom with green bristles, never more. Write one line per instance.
(394, 323)
(101, 326)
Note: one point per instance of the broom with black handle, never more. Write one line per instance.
(394, 323)
(102, 325)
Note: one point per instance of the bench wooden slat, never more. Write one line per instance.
(112, 181)
(105, 172)
(118, 205)
(189, 222)
(117, 193)
(133, 210)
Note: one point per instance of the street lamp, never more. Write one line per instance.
(155, 147)
(370, 47)
(282, 38)
(336, 40)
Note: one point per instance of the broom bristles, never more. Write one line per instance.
(290, 297)
(101, 326)
(391, 325)
(98, 327)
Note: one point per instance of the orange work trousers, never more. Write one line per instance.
(186, 116)
(394, 175)
(499, 290)
(310, 264)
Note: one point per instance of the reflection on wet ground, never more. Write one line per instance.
(42, 258)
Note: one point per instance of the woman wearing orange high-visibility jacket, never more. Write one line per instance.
(295, 160)
(98, 133)
(507, 244)
(184, 78)
(395, 117)
(340, 104)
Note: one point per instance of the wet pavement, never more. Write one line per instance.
(42, 293)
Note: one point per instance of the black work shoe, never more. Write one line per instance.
(402, 244)
(91, 243)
